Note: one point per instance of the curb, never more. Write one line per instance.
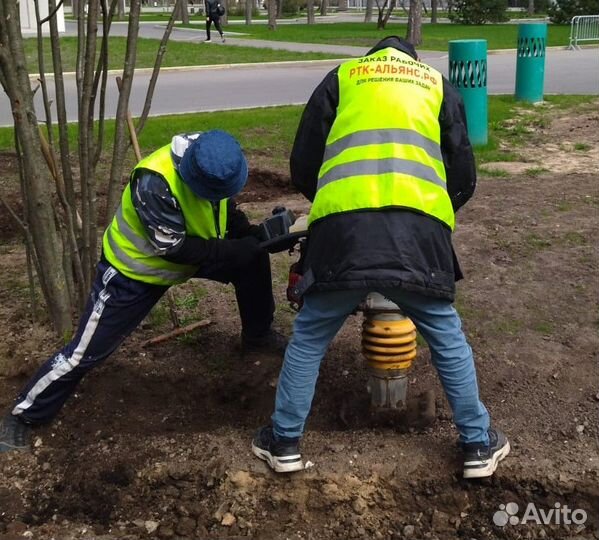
(143, 71)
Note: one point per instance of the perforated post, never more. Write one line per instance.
(530, 67)
(468, 73)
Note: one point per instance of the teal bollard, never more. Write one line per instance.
(530, 67)
(468, 73)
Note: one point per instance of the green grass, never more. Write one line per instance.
(178, 53)
(267, 133)
(512, 122)
(434, 36)
(535, 171)
(496, 173)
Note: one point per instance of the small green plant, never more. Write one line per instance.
(536, 243)
(574, 238)
(509, 326)
(544, 327)
(564, 206)
(582, 147)
(159, 314)
(535, 171)
(496, 173)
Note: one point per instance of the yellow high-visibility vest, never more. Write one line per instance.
(383, 150)
(126, 245)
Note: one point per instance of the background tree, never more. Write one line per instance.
(324, 7)
(414, 30)
(181, 11)
(562, 11)
(368, 13)
(478, 11)
(249, 8)
(310, 11)
(60, 217)
(384, 12)
(434, 7)
(39, 224)
(272, 14)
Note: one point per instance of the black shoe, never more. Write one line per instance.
(283, 455)
(223, 39)
(481, 461)
(271, 343)
(14, 434)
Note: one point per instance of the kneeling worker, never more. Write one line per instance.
(176, 221)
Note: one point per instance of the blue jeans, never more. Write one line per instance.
(321, 317)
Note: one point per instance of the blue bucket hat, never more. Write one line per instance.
(214, 166)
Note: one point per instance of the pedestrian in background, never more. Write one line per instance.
(382, 152)
(214, 11)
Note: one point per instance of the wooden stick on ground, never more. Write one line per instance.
(176, 332)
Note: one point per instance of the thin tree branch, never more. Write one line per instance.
(14, 215)
(45, 20)
(156, 71)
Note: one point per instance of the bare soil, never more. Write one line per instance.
(156, 442)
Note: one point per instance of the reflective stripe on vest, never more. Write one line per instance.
(383, 150)
(126, 245)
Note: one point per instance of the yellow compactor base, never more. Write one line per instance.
(389, 345)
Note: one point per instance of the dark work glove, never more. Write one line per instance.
(241, 252)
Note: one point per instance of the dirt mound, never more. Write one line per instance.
(155, 444)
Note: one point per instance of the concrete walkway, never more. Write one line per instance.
(213, 88)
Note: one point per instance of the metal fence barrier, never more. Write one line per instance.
(583, 28)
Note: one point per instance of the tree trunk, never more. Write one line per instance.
(380, 21)
(120, 10)
(310, 10)
(324, 8)
(59, 252)
(384, 14)
(531, 7)
(414, 31)
(14, 78)
(85, 84)
(434, 6)
(272, 14)
(182, 12)
(368, 14)
(249, 8)
(389, 11)
(121, 138)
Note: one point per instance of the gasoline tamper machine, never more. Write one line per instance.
(389, 346)
(388, 336)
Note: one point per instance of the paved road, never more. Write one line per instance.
(259, 85)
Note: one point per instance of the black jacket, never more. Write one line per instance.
(382, 248)
(211, 7)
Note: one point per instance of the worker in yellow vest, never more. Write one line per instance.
(176, 221)
(382, 152)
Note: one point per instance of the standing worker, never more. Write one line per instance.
(175, 221)
(214, 11)
(383, 153)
